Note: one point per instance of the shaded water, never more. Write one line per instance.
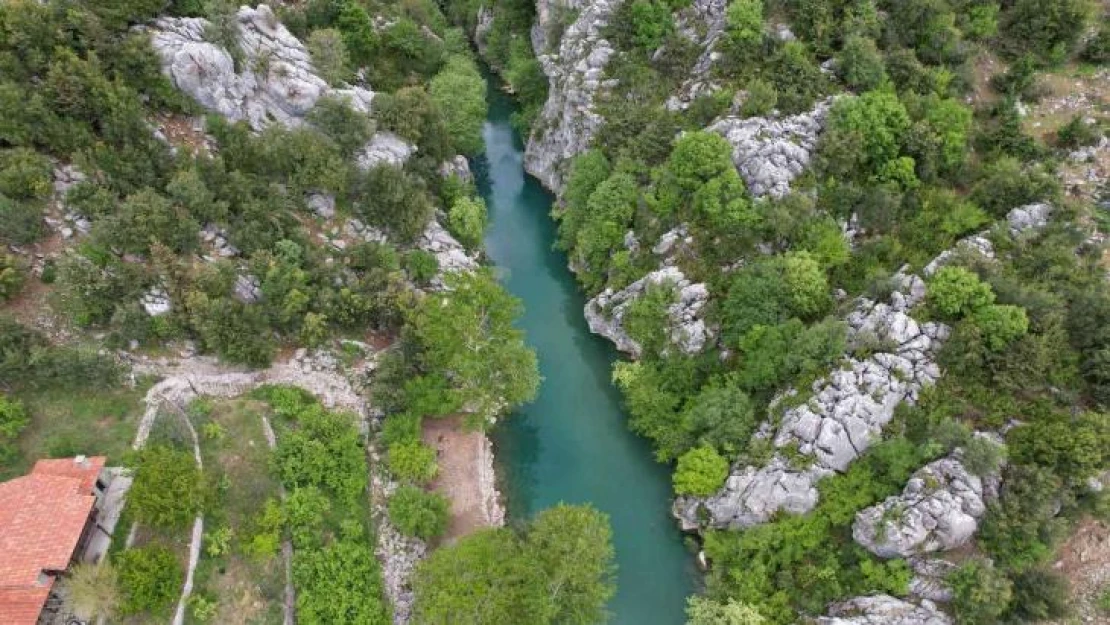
(572, 444)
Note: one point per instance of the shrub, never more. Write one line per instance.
(1001, 324)
(149, 580)
(92, 590)
(981, 594)
(762, 99)
(168, 489)
(421, 265)
(13, 420)
(956, 292)
(412, 461)
(11, 276)
(460, 94)
(329, 54)
(467, 219)
(860, 65)
(20, 222)
(700, 472)
(1077, 133)
(336, 118)
(419, 513)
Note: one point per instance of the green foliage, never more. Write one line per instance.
(983, 456)
(762, 99)
(864, 134)
(418, 513)
(587, 171)
(340, 582)
(329, 55)
(700, 472)
(467, 220)
(460, 94)
(25, 174)
(13, 420)
(1051, 29)
(860, 65)
(721, 416)
(20, 222)
(11, 276)
(651, 22)
(1073, 447)
(323, 450)
(559, 571)
(340, 122)
(1038, 595)
(412, 461)
(703, 611)
(1097, 50)
(981, 593)
(1001, 325)
(421, 265)
(1006, 184)
(797, 78)
(1078, 133)
(144, 218)
(956, 292)
(168, 490)
(149, 580)
(468, 330)
(389, 197)
(744, 24)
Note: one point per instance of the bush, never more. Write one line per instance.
(329, 55)
(955, 292)
(460, 94)
(13, 420)
(1048, 28)
(981, 594)
(340, 582)
(336, 118)
(421, 265)
(25, 175)
(11, 276)
(150, 580)
(20, 222)
(168, 490)
(700, 472)
(762, 99)
(860, 65)
(467, 220)
(413, 461)
(419, 513)
(1078, 133)
(1001, 325)
(92, 591)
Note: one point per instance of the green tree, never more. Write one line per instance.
(484, 579)
(744, 25)
(1049, 28)
(703, 611)
(864, 134)
(329, 55)
(467, 220)
(700, 472)
(722, 416)
(572, 546)
(13, 420)
(651, 22)
(860, 65)
(460, 94)
(339, 121)
(168, 490)
(341, 582)
(587, 171)
(419, 513)
(412, 461)
(981, 593)
(388, 196)
(956, 292)
(149, 580)
(806, 283)
(468, 331)
(1001, 325)
(11, 276)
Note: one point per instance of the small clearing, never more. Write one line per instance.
(465, 476)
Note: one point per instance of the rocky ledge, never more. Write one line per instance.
(770, 152)
(273, 82)
(883, 610)
(686, 330)
(938, 510)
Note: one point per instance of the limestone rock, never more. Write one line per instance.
(274, 83)
(605, 312)
(770, 152)
(385, 148)
(568, 121)
(156, 302)
(449, 253)
(247, 289)
(883, 610)
(937, 511)
(1027, 217)
(322, 204)
(458, 167)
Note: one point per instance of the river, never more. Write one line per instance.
(572, 444)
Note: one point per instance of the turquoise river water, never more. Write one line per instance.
(572, 444)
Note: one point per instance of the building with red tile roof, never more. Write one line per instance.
(44, 517)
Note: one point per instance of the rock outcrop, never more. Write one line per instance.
(702, 23)
(449, 253)
(883, 610)
(844, 416)
(274, 82)
(568, 121)
(687, 331)
(937, 511)
(848, 408)
(770, 152)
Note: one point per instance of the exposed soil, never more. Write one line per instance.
(1085, 561)
(461, 455)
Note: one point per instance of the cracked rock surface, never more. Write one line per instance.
(883, 610)
(687, 331)
(769, 152)
(274, 83)
(568, 121)
(938, 510)
(847, 409)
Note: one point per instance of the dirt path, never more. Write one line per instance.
(465, 476)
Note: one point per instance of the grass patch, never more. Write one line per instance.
(67, 423)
